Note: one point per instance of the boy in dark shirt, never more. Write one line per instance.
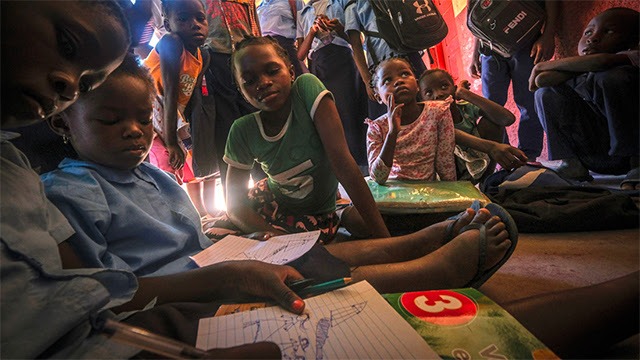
(588, 103)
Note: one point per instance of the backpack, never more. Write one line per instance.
(504, 27)
(408, 25)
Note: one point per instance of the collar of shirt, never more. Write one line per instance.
(113, 175)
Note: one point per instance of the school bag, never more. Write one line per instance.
(407, 25)
(504, 26)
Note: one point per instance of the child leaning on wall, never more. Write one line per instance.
(588, 103)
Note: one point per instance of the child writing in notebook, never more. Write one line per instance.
(413, 140)
(479, 127)
(297, 138)
(177, 65)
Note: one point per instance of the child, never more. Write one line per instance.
(497, 73)
(322, 39)
(298, 139)
(414, 140)
(177, 65)
(587, 102)
(479, 125)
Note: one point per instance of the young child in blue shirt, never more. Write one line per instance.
(479, 127)
(587, 103)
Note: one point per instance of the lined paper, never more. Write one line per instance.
(277, 250)
(354, 322)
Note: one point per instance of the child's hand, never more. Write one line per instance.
(394, 114)
(176, 156)
(543, 48)
(335, 25)
(532, 78)
(462, 87)
(508, 156)
(475, 69)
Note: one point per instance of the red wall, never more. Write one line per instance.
(455, 51)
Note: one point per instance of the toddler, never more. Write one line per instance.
(177, 65)
(479, 127)
(414, 140)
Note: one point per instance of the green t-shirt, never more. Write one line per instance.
(470, 115)
(300, 174)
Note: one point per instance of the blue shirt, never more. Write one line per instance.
(276, 18)
(139, 220)
(360, 16)
(307, 16)
(44, 307)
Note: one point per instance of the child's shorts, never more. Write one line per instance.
(159, 156)
(263, 201)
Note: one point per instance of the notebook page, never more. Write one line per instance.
(277, 250)
(354, 322)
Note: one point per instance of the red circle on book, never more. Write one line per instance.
(441, 307)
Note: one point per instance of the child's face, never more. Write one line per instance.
(605, 33)
(189, 21)
(52, 51)
(112, 126)
(396, 79)
(437, 86)
(264, 77)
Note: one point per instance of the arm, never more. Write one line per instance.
(394, 116)
(378, 171)
(361, 61)
(445, 163)
(170, 48)
(238, 208)
(551, 78)
(506, 155)
(303, 49)
(544, 47)
(226, 281)
(578, 64)
(496, 113)
(476, 64)
(331, 133)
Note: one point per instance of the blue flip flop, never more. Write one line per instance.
(483, 275)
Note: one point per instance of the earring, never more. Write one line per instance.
(65, 139)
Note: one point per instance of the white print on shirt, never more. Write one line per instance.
(303, 185)
(188, 83)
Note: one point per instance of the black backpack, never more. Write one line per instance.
(504, 26)
(407, 25)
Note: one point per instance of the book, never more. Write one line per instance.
(354, 322)
(465, 324)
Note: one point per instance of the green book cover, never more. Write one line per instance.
(464, 324)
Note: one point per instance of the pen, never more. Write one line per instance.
(149, 341)
(325, 287)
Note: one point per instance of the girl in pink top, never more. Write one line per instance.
(413, 140)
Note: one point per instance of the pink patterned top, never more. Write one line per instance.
(423, 147)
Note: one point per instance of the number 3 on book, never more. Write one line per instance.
(447, 302)
(442, 307)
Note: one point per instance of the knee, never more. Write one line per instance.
(621, 79)
(545, 96)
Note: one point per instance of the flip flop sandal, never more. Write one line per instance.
(448, 234)
(632, 178)
(483, 275)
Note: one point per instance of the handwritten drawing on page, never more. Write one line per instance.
(354, 322)
(277, 250)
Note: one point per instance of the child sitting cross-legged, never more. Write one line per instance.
(479, 127)
(588, 103)
(413, 140)
(130, 215)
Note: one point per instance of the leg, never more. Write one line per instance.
(209, 196)
(194, 189)
(577, 323)
(530, 133)
(452, 265)
(495, 82)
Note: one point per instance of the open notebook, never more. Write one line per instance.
(354, 322)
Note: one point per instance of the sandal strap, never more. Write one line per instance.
(482, 249)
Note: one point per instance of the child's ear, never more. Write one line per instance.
(166, 25)
(59, 124)
(377, 96)
(292, 71)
